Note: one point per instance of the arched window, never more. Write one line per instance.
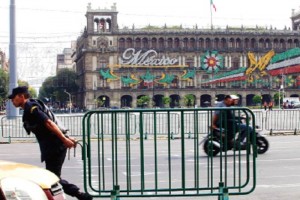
(145, 43)
(122, 43)
(275, 43)
(231, 43)
(282, 44)
(129, 43)
(201, 43)
(252, 43)
(268, 43)
(238, 43)
(161, 43)
(261, 43)
(192, 43)
(170, 43)
(247, 43)
(217, 43)
(296, 42)
(154, 43)
(185, 42)
(176, 43)
(208, 43)
(138, 43)
(223, 43)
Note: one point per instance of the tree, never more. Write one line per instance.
(257, 99)
(166, 101)
(189, 100)
(31, 90)
(277, 97)
(54, 87)
(4, 82)
(143, 101)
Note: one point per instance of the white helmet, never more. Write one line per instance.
(234, 97)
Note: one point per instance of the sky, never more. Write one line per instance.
(44, 28)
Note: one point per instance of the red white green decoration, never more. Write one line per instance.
(212, 62)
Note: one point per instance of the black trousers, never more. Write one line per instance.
(54, 164)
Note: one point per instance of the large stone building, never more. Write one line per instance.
(118, 66)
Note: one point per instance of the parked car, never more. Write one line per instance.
(295, 104)
(23, 181)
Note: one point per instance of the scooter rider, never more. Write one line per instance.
(244, 128)
(219, 121)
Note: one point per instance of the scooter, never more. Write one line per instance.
(216, 141)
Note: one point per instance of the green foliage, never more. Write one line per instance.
(4, 82)
(55, 87)
(143, 101)
(257, 99)
(277, 97)
(166, 101)
(31, 90)
(189, 100)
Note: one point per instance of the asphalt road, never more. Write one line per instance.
(278, 174)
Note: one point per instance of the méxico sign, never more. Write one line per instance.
(149, 58)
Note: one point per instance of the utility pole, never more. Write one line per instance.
(70, 99)
(12, 111)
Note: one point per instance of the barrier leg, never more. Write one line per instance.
(115, 193)
(223, 192)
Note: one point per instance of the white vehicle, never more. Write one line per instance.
(23, 181)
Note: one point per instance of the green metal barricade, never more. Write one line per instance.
(131, 166)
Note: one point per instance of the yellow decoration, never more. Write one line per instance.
(260, 65)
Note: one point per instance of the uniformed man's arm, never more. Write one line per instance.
(68, 142)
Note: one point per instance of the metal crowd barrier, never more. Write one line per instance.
(131, 166)
(282, 120)
(271, 121)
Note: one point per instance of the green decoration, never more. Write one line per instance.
(166, 79)
(108, 74)
(286, 55)
(130, 80)
(188, 74)
(148, 77)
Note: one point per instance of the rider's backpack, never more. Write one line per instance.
(43, 107)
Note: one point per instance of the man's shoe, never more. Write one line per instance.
(240, 146)
(83, 196)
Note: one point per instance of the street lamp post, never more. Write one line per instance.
(70, 99)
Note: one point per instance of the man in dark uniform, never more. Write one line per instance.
(53, 143)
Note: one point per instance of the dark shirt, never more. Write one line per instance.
(34, 120)
(225, 119)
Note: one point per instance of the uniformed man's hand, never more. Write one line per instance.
(70, 142)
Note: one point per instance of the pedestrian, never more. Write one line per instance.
(52, 141)
(265, 105)
(270, 105)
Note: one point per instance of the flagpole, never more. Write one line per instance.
(211, 22)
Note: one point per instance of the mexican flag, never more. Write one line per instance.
(213, 5)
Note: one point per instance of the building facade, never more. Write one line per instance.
(116, 67)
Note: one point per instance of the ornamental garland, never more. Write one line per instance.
(212, 62)
(109, 75)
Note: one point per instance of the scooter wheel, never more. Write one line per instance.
(262, 145)
(210, 149)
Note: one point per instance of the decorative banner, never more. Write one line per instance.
(286, 55)
(148, 78)
(288, 81)
(109, 75)
(130, 80)
(166, 79)
(257, 69)
(212, 62)
(188, 75)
